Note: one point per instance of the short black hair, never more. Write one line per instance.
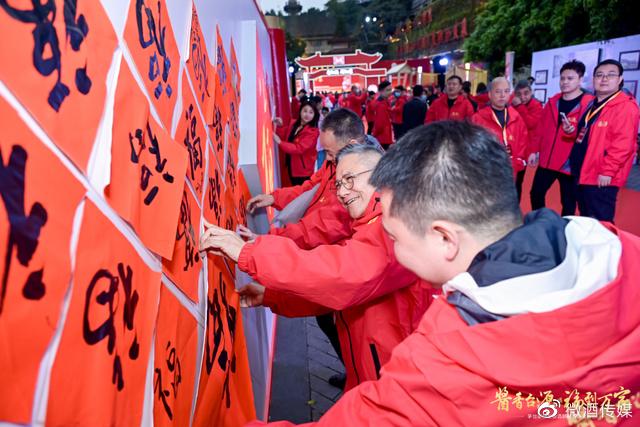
(574, 65)
(609, 62)
(455, 77)
(466, 87)
(453, 171)
(302, 91)
(399, 87)
(522, 84)
(345, 126)
(383, 85)
(418, 90)
(481, 87)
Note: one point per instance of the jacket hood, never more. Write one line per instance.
(559, 321)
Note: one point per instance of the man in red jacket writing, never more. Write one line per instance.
(504, 121)
(537, 315)
(325, 221)
(377, 301)
(602, 155)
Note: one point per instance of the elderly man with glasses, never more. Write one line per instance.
(378, 302)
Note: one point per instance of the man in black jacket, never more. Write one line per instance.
(415, 110)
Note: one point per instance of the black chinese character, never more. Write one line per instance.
(24, 230)
(108, 329)
(46, 42)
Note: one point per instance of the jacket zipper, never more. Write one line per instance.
(353, 360)
(553, 145)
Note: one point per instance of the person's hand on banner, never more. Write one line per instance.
(251, 295)
(221, 242)
(246, 233)
(533, 159)
(277, 122)
(604, 181)
(260, 201)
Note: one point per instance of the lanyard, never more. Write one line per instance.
(592, 112)
(504, 128)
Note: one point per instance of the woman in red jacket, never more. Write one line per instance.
(300, 144)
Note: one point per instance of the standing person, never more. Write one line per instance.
(325, 221)
(433, 93)
(454, 106)
(602, 155)
(369, 111)
(482, 96)
(516, 294)
(296, 102)
(356, 99)
(397, 101)
(529, 108)
(466, 91)
(553, 138)
(415, 110)
(300, 144)
(505, 122)
(382, 129)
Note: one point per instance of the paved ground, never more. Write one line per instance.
(303, 363)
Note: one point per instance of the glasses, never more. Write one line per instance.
(609, 76)
(348, 181)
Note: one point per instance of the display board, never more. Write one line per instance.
(546, 64)
(122, 130)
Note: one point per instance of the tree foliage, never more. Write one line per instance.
(526, 26)
(295, 46)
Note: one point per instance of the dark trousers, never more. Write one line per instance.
(597, 202)
(328, 326)
(542, 182)
(369, 127)
(397, 130)
(519, 181)
(298, 180)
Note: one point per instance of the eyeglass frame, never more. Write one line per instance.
(609, 76)
(339, 182)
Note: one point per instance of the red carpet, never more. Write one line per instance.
(627, 209)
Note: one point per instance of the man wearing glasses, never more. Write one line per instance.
(602, 155)
(378, 302)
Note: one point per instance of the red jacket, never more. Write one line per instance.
(325, 222)
(370, 114)
(448, 373)
(396, 110)
(302, 150)
(550, 140)
(440, 110)
(354, 103)
(530, 113)
(517, 135)
(378, 301)
(482, 99)
(382, 129)
(295, 107)
(612, 142)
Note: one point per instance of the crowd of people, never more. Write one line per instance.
(413, 246)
